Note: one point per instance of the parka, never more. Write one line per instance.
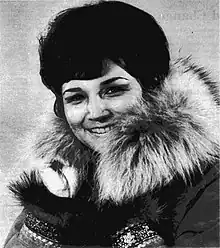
(176, 130)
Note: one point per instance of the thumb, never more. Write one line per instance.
(55, 182)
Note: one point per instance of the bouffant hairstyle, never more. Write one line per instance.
(80, 39)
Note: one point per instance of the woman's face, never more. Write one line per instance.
(91, 105)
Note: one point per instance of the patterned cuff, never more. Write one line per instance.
(32, 239)
(137, 235)
(38, 232)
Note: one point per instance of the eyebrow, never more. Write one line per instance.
(111, 80)
(105, 82)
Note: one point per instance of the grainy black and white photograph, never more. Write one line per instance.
(109, 123)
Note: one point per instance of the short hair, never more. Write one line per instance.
(80, 39)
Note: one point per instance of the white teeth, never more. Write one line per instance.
(100, 130)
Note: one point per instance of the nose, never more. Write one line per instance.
(97, 110)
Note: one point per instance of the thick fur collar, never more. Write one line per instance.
(172, 133)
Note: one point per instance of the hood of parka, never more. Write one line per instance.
(173, 132)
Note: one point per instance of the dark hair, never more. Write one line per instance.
(80, 39)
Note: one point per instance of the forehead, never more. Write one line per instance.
(111, 70)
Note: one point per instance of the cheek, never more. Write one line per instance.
(125, 102)
(74, 115)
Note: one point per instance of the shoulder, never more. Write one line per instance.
(199, 223)
(12, 238)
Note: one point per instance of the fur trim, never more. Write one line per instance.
(30, 191)
(172, 132)
(32, 194)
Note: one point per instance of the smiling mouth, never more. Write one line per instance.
(100, 130)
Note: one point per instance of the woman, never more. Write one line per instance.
(130, 159)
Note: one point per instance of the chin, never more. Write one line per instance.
(92, 141)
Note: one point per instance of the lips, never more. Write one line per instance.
(100, 130)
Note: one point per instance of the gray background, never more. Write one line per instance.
(192, 27)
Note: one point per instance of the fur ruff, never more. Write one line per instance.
(172, 133)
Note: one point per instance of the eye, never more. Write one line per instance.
(116, 90)
(75, 99)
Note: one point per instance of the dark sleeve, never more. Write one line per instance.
(200, 227)
(11, 240)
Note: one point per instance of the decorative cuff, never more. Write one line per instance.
(43, 234)
(34, 239)
(39, 233)
(137, 235)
